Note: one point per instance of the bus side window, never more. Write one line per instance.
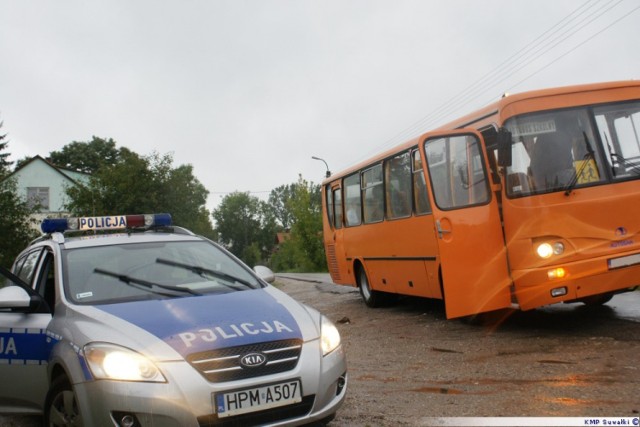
(420, 198)
(398, 186)
(329, 199)
(373, 194)
(353, 203)
(337, 207)
(457, 171)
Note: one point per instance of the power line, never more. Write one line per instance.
(550, 39)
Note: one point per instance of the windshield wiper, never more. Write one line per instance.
(633, 165)
(202, 271)
(132, 281)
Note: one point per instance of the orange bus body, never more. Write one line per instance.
(476, 244)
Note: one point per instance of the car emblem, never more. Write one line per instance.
(253, 360)
(621, 231)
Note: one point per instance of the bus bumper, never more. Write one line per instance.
(544, 286)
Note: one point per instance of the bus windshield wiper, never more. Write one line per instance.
(144, 284)
(634, 165)
(203, 271)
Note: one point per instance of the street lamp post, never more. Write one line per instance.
(325, 163)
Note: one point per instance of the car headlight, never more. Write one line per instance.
(112, 362)
(329, 336)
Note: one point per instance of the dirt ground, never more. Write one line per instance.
(408, 363)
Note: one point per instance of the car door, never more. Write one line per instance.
(23, 346)
(471, 247)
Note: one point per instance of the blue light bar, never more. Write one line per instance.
(115, 222)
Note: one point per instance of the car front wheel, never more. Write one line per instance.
(61, 406)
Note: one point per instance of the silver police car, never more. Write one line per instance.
(150, 325)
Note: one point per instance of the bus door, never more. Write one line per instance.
(473, 262)
(334, 237)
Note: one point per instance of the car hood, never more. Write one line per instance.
(200, 323)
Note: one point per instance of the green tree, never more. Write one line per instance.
(4, 157)
(304, 251)
(89, 156)
(279, 199)
(139, 184)
(245, 226)
(15, 218)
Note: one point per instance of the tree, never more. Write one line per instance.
(245, 226)
(304, 251)
(87, 157)
(4, 162)
(279, 199)
(15, 220)
(137, 184)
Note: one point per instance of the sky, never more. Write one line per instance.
(247, 91)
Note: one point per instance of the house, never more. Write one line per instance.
(41, 182)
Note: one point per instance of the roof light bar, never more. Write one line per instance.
(114, 222)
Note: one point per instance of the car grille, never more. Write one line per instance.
(224, 364)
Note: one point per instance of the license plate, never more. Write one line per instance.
(624, 261)
(257, 399)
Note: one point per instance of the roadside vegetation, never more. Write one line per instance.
(284, 232)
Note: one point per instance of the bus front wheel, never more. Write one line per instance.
(597, 300)
(371, 298)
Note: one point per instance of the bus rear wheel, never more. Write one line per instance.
(370, 297)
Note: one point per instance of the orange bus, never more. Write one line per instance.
(530, 201)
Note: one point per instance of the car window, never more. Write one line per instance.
(116, 273)
(5, 279)
(26, 266)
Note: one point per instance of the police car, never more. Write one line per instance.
(155, 326)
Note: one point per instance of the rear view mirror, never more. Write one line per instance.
(14, 297)
(504, 147)
(264, 273)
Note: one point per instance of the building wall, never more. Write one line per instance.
(38, 173)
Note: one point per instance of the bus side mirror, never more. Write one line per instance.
(504, 147)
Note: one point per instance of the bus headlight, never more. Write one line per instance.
(112, 362)
(329, 336)
(545, 250)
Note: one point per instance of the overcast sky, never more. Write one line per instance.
(247, 91)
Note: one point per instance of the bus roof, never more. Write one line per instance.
(487, 115)
(509, 99)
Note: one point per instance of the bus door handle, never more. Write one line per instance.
(440, 230)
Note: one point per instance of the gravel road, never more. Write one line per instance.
(407, 362)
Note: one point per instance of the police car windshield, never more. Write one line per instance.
(100, 274)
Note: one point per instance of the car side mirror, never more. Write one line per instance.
(265, 273)
(14, 297)
(504, 147)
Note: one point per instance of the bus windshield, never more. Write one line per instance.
(564, 149)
